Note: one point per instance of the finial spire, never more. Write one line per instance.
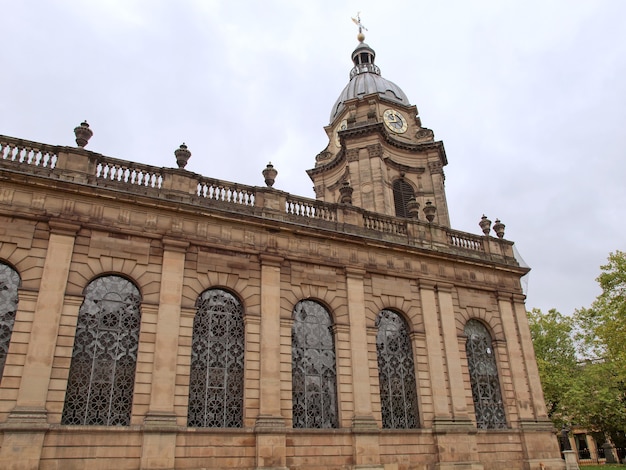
(357, 21)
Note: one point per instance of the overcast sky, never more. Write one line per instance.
(529, 98)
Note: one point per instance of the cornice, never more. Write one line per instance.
(216, 212)
(364, 129)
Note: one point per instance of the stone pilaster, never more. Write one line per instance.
(27, 423)
(358, 344)
(452, 354)
(528, 353)
(538, 440)
(440, 392)
(516, 360)
(159, 440)
(271, 450)
(365, 429)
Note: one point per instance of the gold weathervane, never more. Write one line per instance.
(357, 21)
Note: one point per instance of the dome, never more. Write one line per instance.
(365, 79)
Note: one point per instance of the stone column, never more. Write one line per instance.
(365, 429)
(270, 424)
(159, 440)
(27, 423)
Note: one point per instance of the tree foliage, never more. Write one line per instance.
(603, 325)
(582, 359)
(556, 358)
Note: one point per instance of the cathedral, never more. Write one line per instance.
(155, 318)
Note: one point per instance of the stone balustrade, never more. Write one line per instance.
(24, 152)
(83, 166)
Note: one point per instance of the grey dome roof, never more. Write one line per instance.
(365, 79)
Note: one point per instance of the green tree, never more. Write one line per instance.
(552, 335)
(596, 399)
(603, 325)
(599, 397)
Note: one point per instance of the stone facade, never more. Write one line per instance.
(69, 216)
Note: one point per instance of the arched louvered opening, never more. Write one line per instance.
(402, 192)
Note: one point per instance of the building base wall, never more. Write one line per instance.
(132, 448)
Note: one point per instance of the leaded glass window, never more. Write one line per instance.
(484, 377)
(217, 362)
(396, 372)
(9, 282)
(102, 372)
(314, 376)
(402, 192)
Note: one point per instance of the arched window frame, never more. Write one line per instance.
(216, 377)
(9, 285)
(101, 378)
(314, 369)
(402, 193)
(396, 372)
(484, 377)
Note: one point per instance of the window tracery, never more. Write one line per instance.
(217, 362)
(484, 377)
(396, 372)
(9, 283)
(102, 371)
(314, 376)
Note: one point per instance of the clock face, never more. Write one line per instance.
(395, 121)
(342, 126)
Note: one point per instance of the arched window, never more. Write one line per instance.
(484, 377)
(9, 282)
(217, 362)
(102, 372)
(396, 372)
(402, 192)
(314, 376)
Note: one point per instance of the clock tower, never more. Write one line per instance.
(378, 146)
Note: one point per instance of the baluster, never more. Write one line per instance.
(13, 153)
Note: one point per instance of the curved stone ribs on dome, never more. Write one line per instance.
(365, 79)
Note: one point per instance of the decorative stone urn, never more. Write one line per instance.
(182, 155)
(413, 208)
(429, 210)
(498, 227)
(270, 174)
(485, 225)
(83, 134)
(346, 193)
